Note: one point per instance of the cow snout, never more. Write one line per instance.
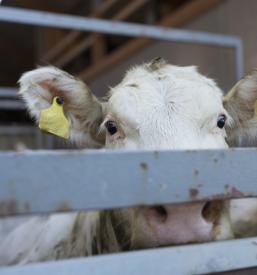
(184, 223)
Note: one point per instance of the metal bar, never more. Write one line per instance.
(18, 130)
(12, 105)
(86, 42)
(47, 19)
(101, 180)
(183, 260)
(120, 28)
(73, 35)
(8, 92)
(239, 57)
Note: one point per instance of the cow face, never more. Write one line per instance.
(156, 106)
(159, 106)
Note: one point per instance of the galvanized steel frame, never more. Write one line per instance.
(97, 180)
(180, 260)
(10, 99)
(101, 179)
(106, 179)
(47, 19)
(8, 92)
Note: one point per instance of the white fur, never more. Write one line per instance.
(173, 108)
(36, 239)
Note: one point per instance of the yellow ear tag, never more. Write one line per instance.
(53, 120)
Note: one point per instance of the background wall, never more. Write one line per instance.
(233, 17)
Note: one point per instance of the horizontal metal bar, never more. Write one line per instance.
(13, 102)
(17, 130)
(12, 105)
(183, 260)
(39, 18)
(8, 92)
(36, 182)
(47, 19)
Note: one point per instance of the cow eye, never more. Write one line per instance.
(221, 121)
(111, 127)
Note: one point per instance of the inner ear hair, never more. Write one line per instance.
(81, 108)
(156, 64)
(240, 103)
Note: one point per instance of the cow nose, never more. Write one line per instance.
(183, 223)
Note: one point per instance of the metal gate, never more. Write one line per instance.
(41, 182)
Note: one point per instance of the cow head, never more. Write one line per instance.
(156, 106)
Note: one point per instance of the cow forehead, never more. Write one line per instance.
(145, 92)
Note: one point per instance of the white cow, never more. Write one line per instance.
(156, 106)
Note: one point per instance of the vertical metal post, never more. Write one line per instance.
(239, 56)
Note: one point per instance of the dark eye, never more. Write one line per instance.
(221, 121)
(111, 127)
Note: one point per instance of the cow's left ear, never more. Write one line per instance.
(63, 105)
(241, 104)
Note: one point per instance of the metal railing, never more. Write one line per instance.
(47, 19)
(106, 179)
(9, 99)
(102, 180)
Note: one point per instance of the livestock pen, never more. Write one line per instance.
(41, 182)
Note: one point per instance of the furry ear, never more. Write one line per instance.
(241, 104)
(156, 64)
(82, 109)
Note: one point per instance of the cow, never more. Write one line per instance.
(157, 106)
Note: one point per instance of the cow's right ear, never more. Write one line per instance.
(241, 104)
(82, 109)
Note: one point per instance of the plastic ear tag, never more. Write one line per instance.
(255, 108)
(53, 120)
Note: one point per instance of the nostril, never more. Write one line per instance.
(206, 210)
(211, 211)
(161, 212)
